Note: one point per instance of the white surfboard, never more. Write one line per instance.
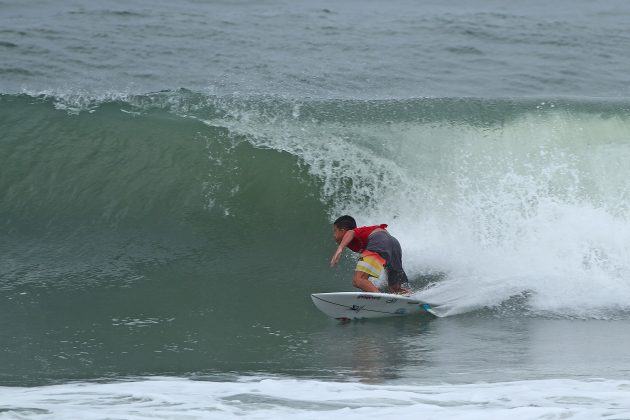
(359, 305)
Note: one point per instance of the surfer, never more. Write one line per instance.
(377, 248)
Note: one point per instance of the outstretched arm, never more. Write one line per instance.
(347, 238)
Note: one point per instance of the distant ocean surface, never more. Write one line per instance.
(169, 172)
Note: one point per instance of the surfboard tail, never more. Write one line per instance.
(429, 309)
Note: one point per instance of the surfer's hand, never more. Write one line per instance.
(335, 258)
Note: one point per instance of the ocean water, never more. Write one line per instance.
(169, 172)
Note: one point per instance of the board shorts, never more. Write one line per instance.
(383, 252)
(371, 263)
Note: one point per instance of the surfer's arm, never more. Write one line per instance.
(347, 238)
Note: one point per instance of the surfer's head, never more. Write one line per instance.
(342, 225)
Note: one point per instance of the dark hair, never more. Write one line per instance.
(345, 222)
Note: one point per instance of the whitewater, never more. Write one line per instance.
(261, 398)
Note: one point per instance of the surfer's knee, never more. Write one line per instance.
(359, 278)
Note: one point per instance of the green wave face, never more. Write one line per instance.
(184, 218)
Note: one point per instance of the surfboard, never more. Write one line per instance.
(360, 305)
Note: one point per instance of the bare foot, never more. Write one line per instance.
(398, 290)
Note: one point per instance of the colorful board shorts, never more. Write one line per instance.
(383, 252)
(371, 263)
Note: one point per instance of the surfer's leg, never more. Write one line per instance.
(362, 281)
(369, 264)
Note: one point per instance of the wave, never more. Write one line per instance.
(492, 199)
(308, 399)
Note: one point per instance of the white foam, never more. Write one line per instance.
(273, 398)
(74, 101)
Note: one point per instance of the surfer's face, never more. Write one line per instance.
(338, 233)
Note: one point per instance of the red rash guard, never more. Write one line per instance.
(360, 240)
